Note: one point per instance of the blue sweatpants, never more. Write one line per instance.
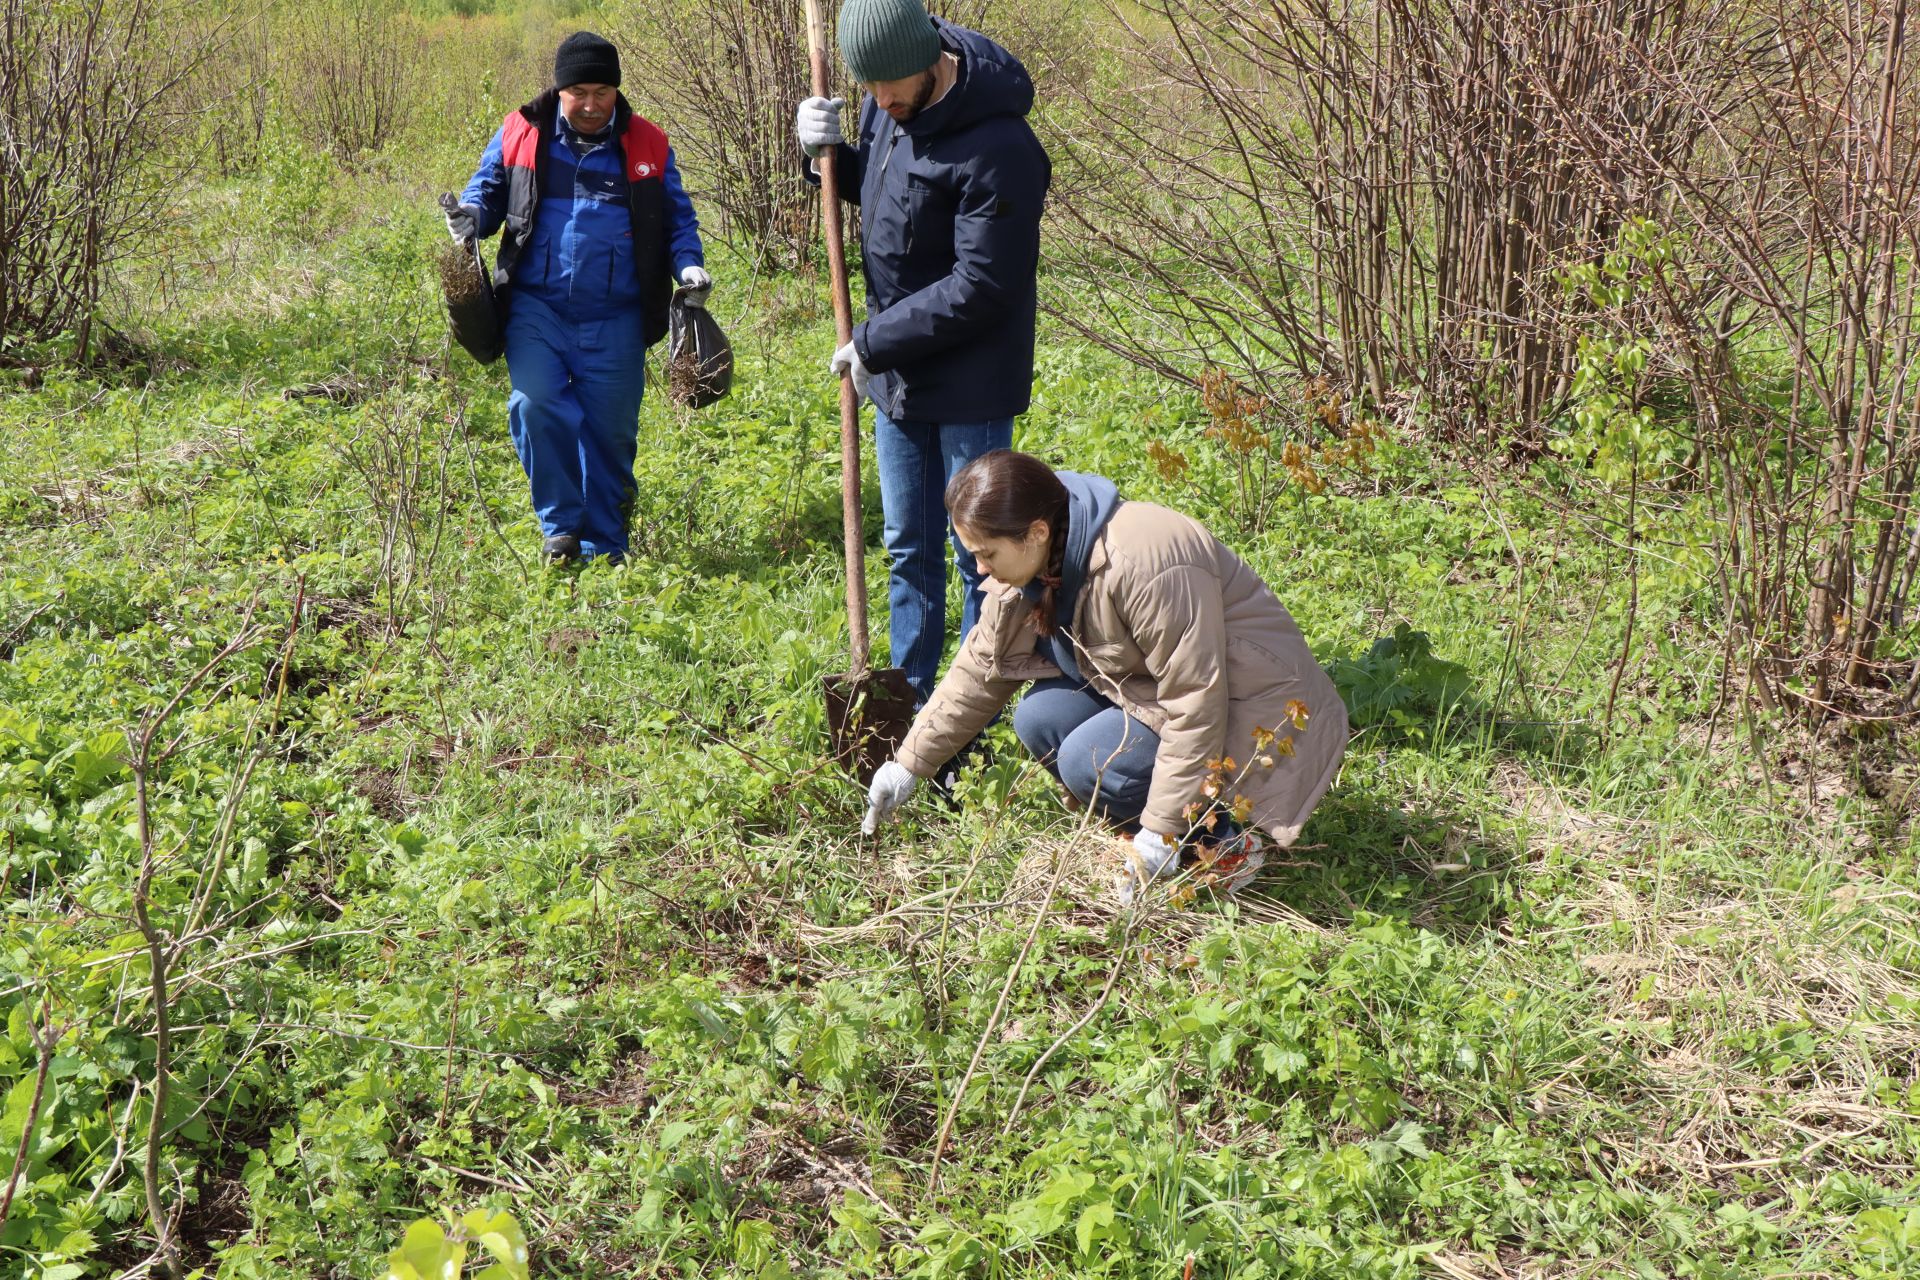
(1102, 754)
(575, 417)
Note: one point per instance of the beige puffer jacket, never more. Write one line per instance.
(1173, 627)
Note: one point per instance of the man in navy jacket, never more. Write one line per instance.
(596, 227)
(950, 180)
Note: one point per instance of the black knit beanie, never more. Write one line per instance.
(585, 58)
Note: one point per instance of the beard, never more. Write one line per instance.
(922, 94)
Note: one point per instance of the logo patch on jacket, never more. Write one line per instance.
(642, 170)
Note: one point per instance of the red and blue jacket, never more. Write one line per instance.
(590, 226)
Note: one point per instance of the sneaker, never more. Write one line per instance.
(561, 548)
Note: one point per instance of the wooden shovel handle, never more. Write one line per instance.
(852, 526)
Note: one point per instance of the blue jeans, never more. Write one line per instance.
(1099, 752)
(575, 418)
(915, 460)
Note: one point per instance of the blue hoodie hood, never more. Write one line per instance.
(1091, 502)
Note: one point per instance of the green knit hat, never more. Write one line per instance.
(887, 39)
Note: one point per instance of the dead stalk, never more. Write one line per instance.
(46, 1038)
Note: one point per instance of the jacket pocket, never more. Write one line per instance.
(929, 210)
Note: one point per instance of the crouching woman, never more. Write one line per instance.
(1171, 691)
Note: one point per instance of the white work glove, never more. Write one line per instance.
(847, 361)
(818, 125)
(698, 284)
(463, 223)
(1153, 857)
(892, 784)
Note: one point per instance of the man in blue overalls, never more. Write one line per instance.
(596, 227)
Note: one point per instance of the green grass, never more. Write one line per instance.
(533, 887)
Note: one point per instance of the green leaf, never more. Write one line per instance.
(1282, 1062)
(13, 1118)
(1066, 1187)
(852, 1215)
(427, 1251)
(99, 757)
(833, 1054)
(500, 1236)
(1096, 1217)
(1409, 1136)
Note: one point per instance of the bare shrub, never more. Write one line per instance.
(1785, 304)
(233, 88)
(723, 79)
(90, 102)
(344, 72)
(1673, 240)
(402, 452)
(1372, 192)
(476, 69)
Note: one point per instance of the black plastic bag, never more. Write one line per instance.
(699, 357)
(472, 311)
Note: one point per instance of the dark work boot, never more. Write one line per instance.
(561, 548)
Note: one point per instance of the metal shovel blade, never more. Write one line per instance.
(868, 715)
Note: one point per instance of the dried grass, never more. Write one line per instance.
(1085, 859)
(1691, 969)
(461, 278)
(683, 375)
(88, 499)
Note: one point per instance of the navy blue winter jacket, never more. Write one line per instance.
(950, 234)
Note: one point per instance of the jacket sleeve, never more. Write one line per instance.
(964, 702)
(996, 252)
(487, 189)
(851, 167)
(1178, 619)
(683, 226)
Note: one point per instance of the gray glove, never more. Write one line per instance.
(818, 125)
(463, 221)
(892, 784)
(846, 361)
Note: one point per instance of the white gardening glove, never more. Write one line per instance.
(818, 125)
(463, 222)
(847, 360)
(892, 784)
(698, 284)
(1153, 857)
